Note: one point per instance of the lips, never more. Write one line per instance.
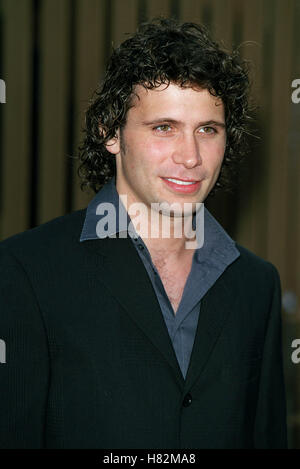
(185, 185)
(181, 179)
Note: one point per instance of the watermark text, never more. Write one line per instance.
(295, 357)
(160, 220)
(296, 93)
(2, 351)
(2, 92)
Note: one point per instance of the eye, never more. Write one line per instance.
(163, 128)
(208, 130)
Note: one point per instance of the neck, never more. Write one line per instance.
(164, 234)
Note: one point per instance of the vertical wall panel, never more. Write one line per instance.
(158, 7)
(191, 10)
(90, 52)
(16, 115)
(292, 248)
(293, 161)
(221, 28)
(253, 203)
(125, 19)
(279, 123)
(55, 79)
(222, 24)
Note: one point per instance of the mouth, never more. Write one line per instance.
(182, 185)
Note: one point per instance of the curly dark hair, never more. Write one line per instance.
(163, 51)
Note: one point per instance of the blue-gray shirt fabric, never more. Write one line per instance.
(209, 262)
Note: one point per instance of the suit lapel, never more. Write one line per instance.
(215, 308)
(120, 268)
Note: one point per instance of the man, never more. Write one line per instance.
(119, 332)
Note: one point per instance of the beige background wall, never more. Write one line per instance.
(52, 54)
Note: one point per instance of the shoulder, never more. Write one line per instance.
(253, 270)
(252, 261)
(56, 237)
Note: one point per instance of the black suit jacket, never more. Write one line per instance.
(89, 362)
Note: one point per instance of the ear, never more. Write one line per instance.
(113, 145)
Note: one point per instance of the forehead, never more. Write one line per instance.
(176, 100)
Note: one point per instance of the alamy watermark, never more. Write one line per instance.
(295, 357)
(2, 351)
(163, 220)
(296, 93)
(2, 92)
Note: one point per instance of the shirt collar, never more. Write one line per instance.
(217, 243)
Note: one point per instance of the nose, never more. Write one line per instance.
(187, 152)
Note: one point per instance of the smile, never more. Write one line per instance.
(185, 187)
(182, 183)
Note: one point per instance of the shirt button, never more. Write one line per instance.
(187, 400)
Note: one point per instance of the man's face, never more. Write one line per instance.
(171, 133)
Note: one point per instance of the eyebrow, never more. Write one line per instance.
(174, 121)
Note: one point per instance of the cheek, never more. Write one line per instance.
(215, 153)
(220, 151)
(156, 150)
